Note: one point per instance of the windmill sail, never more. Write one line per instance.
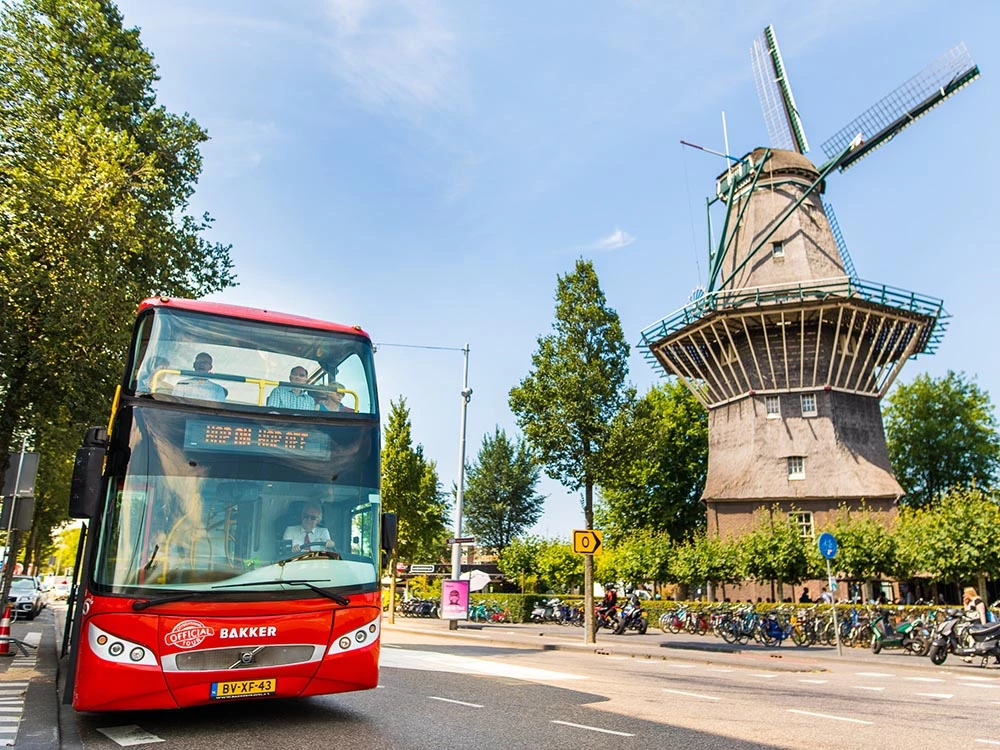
(888, 117)
(784, 127)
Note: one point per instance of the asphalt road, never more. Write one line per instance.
(440, 690)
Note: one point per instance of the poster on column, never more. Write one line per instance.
(454, 600)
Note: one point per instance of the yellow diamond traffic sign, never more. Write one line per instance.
(587, 541)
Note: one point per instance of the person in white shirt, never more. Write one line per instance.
(199, 387)
(308, 535)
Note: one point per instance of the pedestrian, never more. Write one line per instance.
(972, 601)
(805, 598)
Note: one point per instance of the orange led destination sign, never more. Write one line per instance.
(205, 434)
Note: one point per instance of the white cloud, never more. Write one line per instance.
(614, 241)
(393, 54)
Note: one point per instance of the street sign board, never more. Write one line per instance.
(29, 470)
(418, 569)
(462, 540)
(587, 541)
(827, 544)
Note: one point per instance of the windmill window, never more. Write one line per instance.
(803, 521)
(808, 404)
(848, 344)
(796, 467)
(778, 250)
(772, 405)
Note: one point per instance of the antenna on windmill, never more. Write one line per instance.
(781, 116)
(899, 109)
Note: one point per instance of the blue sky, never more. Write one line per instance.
(426, 169)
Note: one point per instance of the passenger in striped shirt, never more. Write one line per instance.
(290, 397)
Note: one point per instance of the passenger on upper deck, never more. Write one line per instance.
(149, 382)
(288, 397)
(198, 387)
(330, 399)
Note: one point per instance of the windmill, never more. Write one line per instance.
(787, 348)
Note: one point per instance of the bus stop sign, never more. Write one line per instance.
(827, 544)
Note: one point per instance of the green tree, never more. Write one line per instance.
(565, 404)
(953, 540)
(942, 433)
(656, 460)
(705, 558)
(519, 560)
(775, 550)
(644, 555)
(95, 183)
(411, 490)
(500, 501)
(866, 547)
(559, 567)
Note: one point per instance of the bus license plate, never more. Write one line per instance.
(243, 688)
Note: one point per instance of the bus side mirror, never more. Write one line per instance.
(390, 532)
(85, 489)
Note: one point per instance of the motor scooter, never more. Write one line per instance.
(631, 617)
(911, 635)
(958, 634)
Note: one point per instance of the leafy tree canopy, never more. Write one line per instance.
(500, 501)
(519, 560)
(95, 180)
(559, 567)
(866, 547)
(411, 490)
(577, 384)
(643, 555)
(656, 460)
(942, 433)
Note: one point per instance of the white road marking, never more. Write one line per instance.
(592, 729)
(972, 678)
(764, 675)
(943, 696)
(989, 742)
(924, 679)
(692, 695)
(874, 674)
(434, 661)
(33, 639)
(983, 685)
(827, 716)
(867, 687)
(815, 682)
(131, 734)
(449, 700)
(675, 665)
(719, 669)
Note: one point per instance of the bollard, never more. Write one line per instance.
(5, 632)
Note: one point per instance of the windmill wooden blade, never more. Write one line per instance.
(884, 120)
(784, 127)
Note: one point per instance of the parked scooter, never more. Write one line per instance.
(958, 635)
(631, 616)
(911, 635)
(546, 611)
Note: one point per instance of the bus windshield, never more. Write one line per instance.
(211, 500)
(185, 356)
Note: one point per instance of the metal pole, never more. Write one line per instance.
(8, 567)
(836, 627)
(456, 548)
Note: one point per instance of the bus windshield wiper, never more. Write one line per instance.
(341, 600)
(182, 595)
(309, 554)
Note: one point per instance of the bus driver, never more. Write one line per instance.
(308, 535)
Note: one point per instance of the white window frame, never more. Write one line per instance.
(778, 250)
(776, 401)
(804, 522)
(806, 398)
(796, 467)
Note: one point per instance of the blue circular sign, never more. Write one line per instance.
(827, 544)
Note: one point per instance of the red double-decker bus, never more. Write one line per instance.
(234, 522)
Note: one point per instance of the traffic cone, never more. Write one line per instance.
(5, 632)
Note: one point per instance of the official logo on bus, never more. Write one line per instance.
(188, 634)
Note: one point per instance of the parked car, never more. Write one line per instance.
(26, 597)
(60, 590)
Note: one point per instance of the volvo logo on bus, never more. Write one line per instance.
(188, 634)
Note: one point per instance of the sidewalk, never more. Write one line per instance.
(658, 645)
(30, 681)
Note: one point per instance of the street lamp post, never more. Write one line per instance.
(456, 548)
